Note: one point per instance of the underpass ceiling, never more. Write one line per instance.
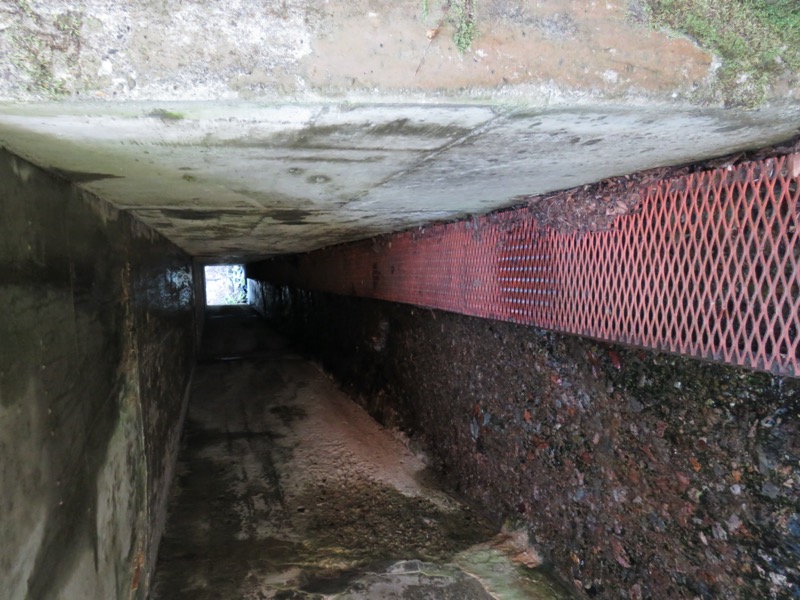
(251, 127)
(248, 180)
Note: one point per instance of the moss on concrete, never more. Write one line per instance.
(44, 49)
(756, 41)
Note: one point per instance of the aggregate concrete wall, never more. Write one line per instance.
(96, 350)
(639, 475)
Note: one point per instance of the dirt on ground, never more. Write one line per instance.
(536, 52)
(288, 489)
(639, 475)
(149, 49)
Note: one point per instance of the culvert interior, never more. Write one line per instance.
(287, 488)
(155, 447)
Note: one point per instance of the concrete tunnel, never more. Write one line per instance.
(370, 423)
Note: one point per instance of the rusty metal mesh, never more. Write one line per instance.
(708, 268)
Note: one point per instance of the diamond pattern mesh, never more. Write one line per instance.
(708, 268)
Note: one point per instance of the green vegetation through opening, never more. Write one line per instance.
(225, 284)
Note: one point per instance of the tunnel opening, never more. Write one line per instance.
(225, 285)
(599, 459)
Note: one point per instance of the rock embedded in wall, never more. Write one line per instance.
(636, 473)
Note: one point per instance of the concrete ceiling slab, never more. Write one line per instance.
(536, 151)
(236, 180)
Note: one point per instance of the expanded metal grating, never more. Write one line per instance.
(707, 268)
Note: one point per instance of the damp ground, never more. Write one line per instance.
(637, 474)
(286, 488)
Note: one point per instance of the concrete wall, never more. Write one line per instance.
(199, 277)
(96, 351)
(639, 475)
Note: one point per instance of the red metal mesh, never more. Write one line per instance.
(707, 268)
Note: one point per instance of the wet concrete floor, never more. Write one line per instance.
(287, 489)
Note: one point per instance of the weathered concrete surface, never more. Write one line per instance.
(642, 476)
(150, 49)
(95, 353)
(245, 129)
(163, 309)
(236, 180)
(288, 489)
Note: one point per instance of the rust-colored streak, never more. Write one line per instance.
(707, 268)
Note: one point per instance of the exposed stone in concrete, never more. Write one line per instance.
(641, 475)
(288, 489)
(96, 350)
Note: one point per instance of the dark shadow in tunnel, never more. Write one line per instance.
(237, 331)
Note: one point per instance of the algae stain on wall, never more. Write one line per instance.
(75, 521)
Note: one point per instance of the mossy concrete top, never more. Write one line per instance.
(246, 129)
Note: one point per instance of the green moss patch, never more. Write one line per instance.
(756, 40)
